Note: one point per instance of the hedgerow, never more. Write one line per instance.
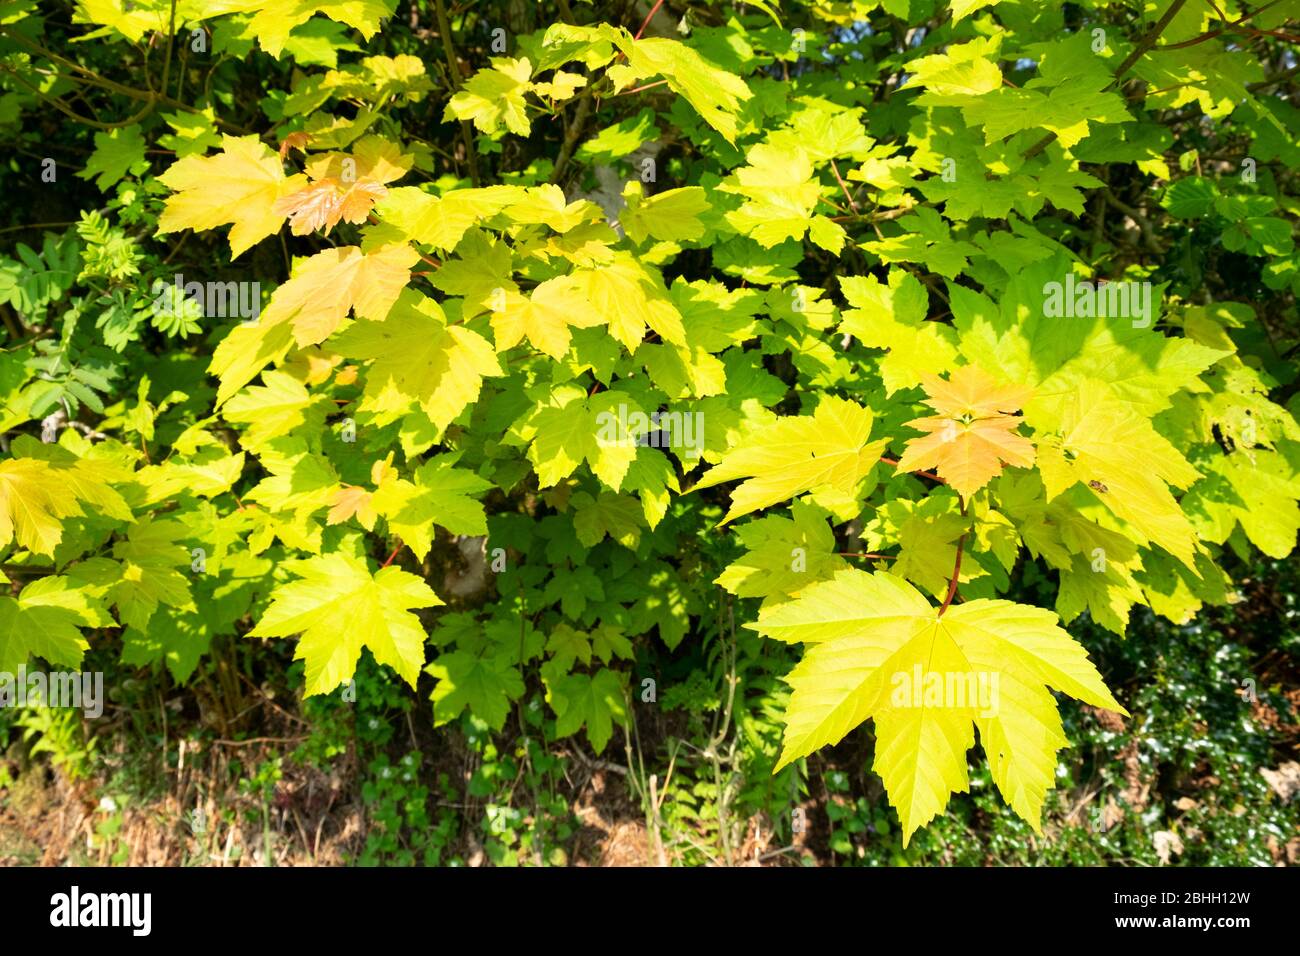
(521, 345)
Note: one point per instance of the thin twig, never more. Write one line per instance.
(444, 28)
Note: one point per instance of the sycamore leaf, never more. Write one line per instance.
(574, 591)
(495, 96)
(971, 438)
(610, 513)
(967, 69)
(344, 187)
(411, 214)
(46, 484)
(322, 204)
(486, 684)
(574, 429)
(147, 575)
(566, 645)
(327, 286)
(414, 357)
(44, 621)
(246, 350)
(926, 532)
(239, 185)
(594, 702)
(179, 639)
(273, 409)
(544, 316)
(716, 94)
(629, 297)
(892, 317)
(780, 194)
(1126, 463)
(272, 23)
(964, 8)
(672, 214)
(116, 152)
(783, 555)
(339, 607)
(440, 494)
(878, 649)
(828, 449)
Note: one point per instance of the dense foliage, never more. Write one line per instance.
(543, 350)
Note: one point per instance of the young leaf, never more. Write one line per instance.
(828, 449)
(927, 677)
(340, 607)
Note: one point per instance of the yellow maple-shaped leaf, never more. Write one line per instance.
(275, 408)
(415, 357)
(544, 316)
(246, 350)
(571, 427)
(43, 484)
(238, 185)
(322, 204)
(780, 194)
(494, 96)
(718, 95)
(132, 20)
(410, 214)
(547, 204)
(929, 677)
(562, 85)
(327, 286)
(1106, 444)
(972, 436)
(273, 22)
(45, 621)
(827, 449)
(671, 215)
(339, 607)
(630, 297)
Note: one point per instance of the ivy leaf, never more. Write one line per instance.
(878, 649)
(339, 607)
